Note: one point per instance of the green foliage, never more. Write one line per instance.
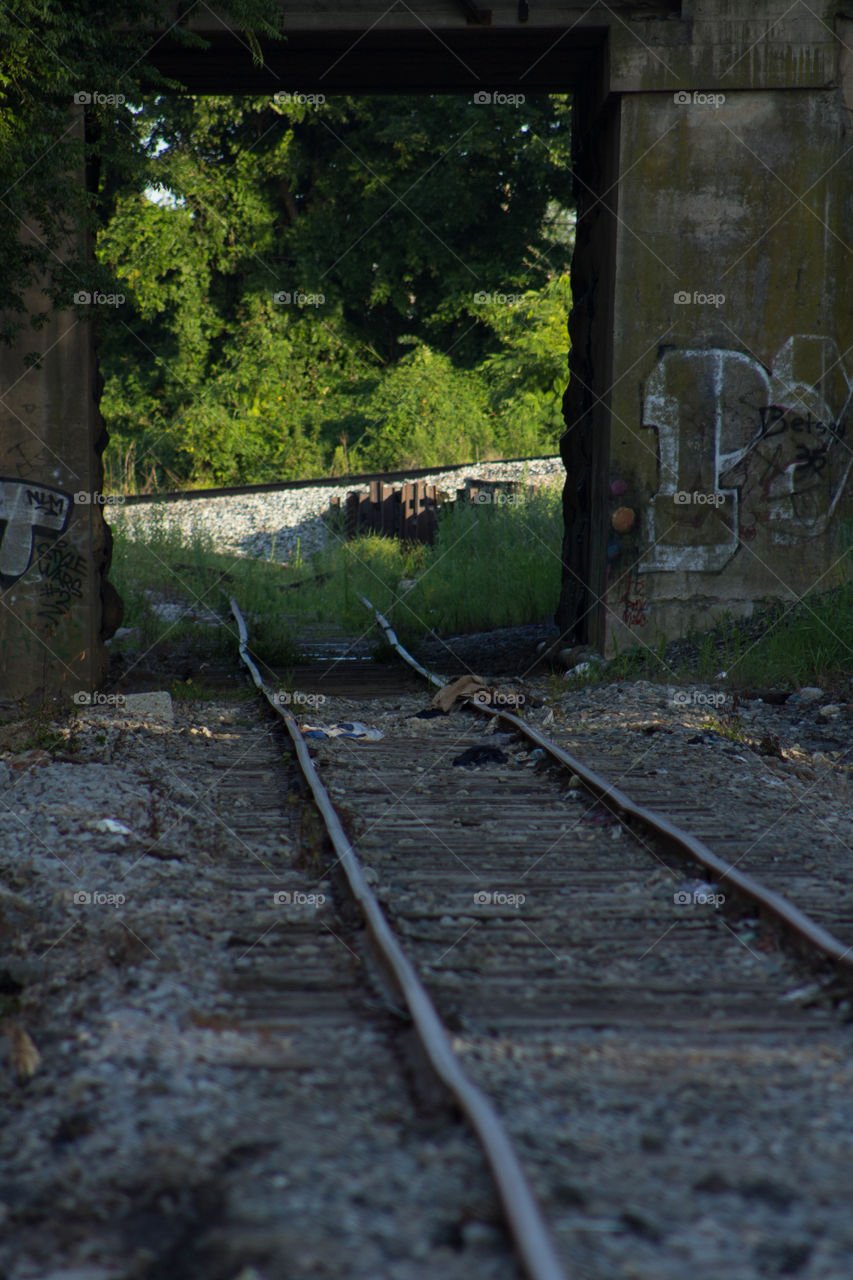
(414, 207)
(393, 213)
(411, 205)
(424, 411)
(781, 646)
(811, 643)
(528, 373)
(167, 567)
(492, 566)
(55, 58)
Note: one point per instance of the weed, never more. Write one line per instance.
(729, 726)
(556, 686)
(732, 726)
(494, 565)
(780, 645)
(190, 690)
(51, 730)
(177, 587)
(768, 745)
(812, 643)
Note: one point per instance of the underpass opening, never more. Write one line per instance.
(511, 66)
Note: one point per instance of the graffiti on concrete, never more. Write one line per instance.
(633, 599)
(62, 571)
(28, 510)
(745, 450)
(29, 458)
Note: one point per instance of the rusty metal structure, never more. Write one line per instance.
(409, 513)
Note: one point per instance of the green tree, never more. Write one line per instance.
(55, 61)
(407, 207)
(527, 375)
(425, 412)
(397, 212)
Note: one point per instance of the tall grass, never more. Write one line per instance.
(811, 643)
(165, 566)
(492, 565)
(780, 646)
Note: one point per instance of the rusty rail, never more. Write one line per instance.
(526, 1222)
(404, 653)
(785, 913)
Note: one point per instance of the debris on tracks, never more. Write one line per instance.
(344, 729)
(481, 755)
(479, 691)
(464, 687)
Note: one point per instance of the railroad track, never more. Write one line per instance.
(659, 1083)
(333, 1169)
(289, 486)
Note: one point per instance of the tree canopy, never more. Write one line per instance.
(359, 282)
(299, 284)
(58, 60)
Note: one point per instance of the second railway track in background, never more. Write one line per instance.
(676, 1083)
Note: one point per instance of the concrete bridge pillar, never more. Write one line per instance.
(54, 543)
(710, 421)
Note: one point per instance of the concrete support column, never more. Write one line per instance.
(731, 390)
(54, 543)
(709, 436)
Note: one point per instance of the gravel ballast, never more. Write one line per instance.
(290, 523)
(197, 1083)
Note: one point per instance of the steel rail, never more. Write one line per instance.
(317, 482)
(439, 681)
(527, 1225)
(779, 907)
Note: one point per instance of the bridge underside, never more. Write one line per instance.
(708, 412)
(522, 59)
